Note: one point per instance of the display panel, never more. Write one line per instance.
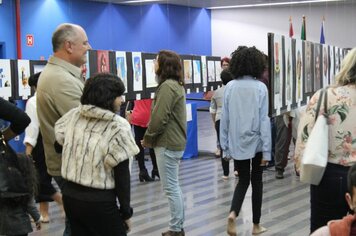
(23, 74)
(5, 79)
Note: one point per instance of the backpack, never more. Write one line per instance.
(12, 182)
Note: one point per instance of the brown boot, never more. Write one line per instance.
(174, 233)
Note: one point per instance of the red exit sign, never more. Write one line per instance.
(30, 40)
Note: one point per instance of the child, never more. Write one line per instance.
(97, 145)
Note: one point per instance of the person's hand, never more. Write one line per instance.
(264, 162)
(128, 116)
(143, 144)
(128, 225)
(38, 225)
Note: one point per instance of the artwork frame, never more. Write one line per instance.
(308, 70)
(317, 68)
(187, 66)
(149, 75)
(197, 74)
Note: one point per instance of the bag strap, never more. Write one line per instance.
(319, 104)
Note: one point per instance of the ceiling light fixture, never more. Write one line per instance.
(140, 1)
(272, 4)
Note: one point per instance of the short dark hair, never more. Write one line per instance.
(224, 59)
(101, 90)
(33, 79)
(226, 76)
(169, 66)
(247, 61)
(351, 179)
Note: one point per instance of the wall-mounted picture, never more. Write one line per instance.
(288, 71)
(308, 86)
(332, 65)
(278, 71)
(103, 61)
(86, 68)
(217, 71)
(317, 66)
(150, 74)
(121, 66)
(337, 60)
(196, 72)
(299, 71)
(23, 72)
(211, 71)
(5, 79)
(325, 65)
(137, 71)
(188, 73)
(204, 71)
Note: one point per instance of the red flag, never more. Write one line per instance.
(291, 32)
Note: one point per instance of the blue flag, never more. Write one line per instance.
(322, 37)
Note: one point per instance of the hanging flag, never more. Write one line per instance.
(322, 37)
(291, 32)
(304, 30)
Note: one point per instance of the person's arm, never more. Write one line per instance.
(32, 131)
(19, 119)
(123, 189)
(34, 213)
(265, 125)
(165, 100)
(224, 125)
(213, 108)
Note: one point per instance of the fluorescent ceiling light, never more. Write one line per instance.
(140, 1)
(273, 4)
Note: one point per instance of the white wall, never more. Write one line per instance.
(234, 27)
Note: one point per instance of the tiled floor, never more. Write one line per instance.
(285, 209)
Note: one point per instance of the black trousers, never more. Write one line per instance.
(327, 200)
(139, 133)
(245, 176)
(224, 163)
(282, 142)
(93, 218)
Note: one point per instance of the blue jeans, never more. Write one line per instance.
(168, 167)
(60, 181)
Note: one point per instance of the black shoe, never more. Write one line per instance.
(143, 176)
(279, 174)
(174, 233)
(155, 173)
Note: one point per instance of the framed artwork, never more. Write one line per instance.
(150, 73)
(317, 66)
(5, 79)
(121, 66)
(197, 74)
(217, 71)
(86, 68)
(137, 71)
(103, 64)
(211, 71)
(332, 65)
(337, 60)
(23, 74)
(188, 71)
(308, 72)
(325, 56)
(288, 52)
(299, 71)
(204, 71)
(278, 71)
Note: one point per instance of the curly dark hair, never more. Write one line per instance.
(247, 61)
(169, 66)
(101, 90)
(33, 79)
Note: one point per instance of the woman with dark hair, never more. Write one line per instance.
(34, 148)
(97, 144)
(245, 133)
(166, 133)
(327, 199)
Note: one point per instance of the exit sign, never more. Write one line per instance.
(29, 39)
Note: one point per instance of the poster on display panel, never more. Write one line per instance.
(121, 66)
(137, 71)
(278, 72)
(332, 65)
(149, 75)
(308, 70)
(299, 76)
(204, 72)
(317, 67)
(197, 74)
(289, 68)
(325, 56)
(23, 74)
(5, 79)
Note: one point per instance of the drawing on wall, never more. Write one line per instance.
(137, 71)
(197, 72)
(121, 66)
(151, 81)
(337, 60)
(5, 79)
(217, 71)
(299, 70)
(23, 72)
(103, 61)
(325, 65)
(317, 66)
(211, 71)
(288, 71)
(187, 71)
(204, 71)
(332, 65)
(308, 67)
(278, 71)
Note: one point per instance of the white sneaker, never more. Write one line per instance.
(225, 177)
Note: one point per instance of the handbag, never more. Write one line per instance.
(315, 157)
(12, 181)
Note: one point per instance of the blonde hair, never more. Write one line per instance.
(347, 74)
